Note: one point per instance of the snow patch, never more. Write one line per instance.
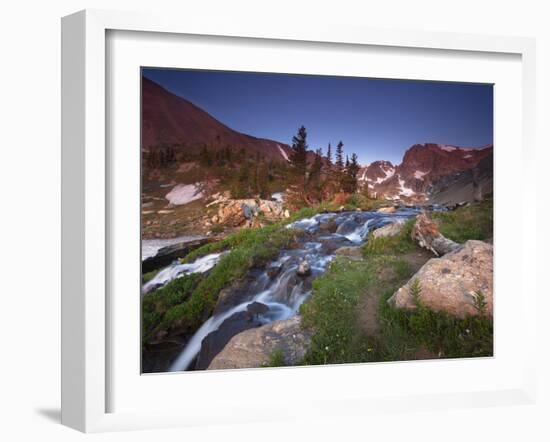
(277, 196)
(184, 193)
(419, 175)
(467, 156)
(283, 153)
(405, 191)
(447, 148)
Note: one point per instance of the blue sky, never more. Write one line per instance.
(377, 119)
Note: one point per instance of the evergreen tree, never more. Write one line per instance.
(329, 154)
(298, 158)
(314, 178)
(339, 157)
(349, 183)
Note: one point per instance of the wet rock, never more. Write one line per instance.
(329, 226)
(451, 283)
(273, 271)
(387, 210)
(214, 342)
(391, 229)
(254, 348)
(257, 308)
(166, 255)
(347, 227)
(304, 269)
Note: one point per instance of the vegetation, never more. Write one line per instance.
(156, 304)
(471, 222)
(183, 306)
(276, 359)
(333, 312)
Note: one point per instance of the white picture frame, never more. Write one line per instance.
(86, 351)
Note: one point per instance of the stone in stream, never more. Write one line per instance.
(255, 347)
(452, 283)
(387, 210)
(304, 269)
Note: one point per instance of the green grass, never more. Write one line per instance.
(391, 245)
(249, 248)
(332, 311)
(276, 359)
(403, 332)
(472, 222)
(156, 304)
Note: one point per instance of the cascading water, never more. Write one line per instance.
(279, 290)
(201, 265)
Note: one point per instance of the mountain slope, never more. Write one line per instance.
(422, 166)
(171, 120)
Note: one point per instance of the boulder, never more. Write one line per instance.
(426, 233)
(254, 347)
(166, 255)
(391, 229)
(451, 283)
(304, 269)
(349, 251)
(387, 210)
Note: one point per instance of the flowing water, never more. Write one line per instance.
(277, 292)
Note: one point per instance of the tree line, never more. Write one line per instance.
(341, 174)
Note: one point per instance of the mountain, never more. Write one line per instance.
(168, 119)
(422, 167)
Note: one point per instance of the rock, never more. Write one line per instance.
(257, 308)
(304, 269)
(426, 233)
(450, 283)
(286, 213)
(391, 229)
(215, 341)
(254, 348)
(329, 226)
(387, 210)
(166, 255)
(273, 271)
(349, 251)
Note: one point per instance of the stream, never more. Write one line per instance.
(277, 291)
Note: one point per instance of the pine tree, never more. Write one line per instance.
(314, 178)
(349, 178)
(339, 157)
(329, 154)
(298, 158)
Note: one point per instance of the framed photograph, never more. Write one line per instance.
(261, 222)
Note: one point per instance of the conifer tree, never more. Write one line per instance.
(298, 158)
(329, 154)
(339, 157)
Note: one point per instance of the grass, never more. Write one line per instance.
(249, 248)
(276, 359)
(332, 311)
(404, 332)
(156, 304)
(471, 222)
(391, 245)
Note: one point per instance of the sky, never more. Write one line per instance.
(378, 119)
